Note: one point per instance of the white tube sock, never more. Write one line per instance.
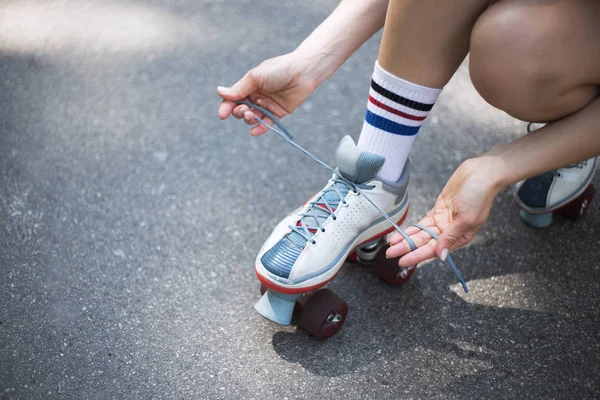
(395, 111)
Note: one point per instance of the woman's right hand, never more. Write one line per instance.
(279, 84)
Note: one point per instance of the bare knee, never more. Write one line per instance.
(515, 61)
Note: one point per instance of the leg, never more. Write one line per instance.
(540, 61)
(424, 42)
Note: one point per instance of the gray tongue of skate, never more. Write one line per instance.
(355, 165)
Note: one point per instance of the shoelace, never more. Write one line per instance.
(287, 136)
(320, 209)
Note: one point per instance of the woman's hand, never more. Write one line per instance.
(459, 213)
(279, 84)
(282, 83)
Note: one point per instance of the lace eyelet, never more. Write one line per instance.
(322, 230)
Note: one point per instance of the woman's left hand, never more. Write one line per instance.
(459, 213)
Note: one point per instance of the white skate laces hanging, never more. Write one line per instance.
(287, 136)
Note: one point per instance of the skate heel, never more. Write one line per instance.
(577, 208)
(536, 220)
(277, 307)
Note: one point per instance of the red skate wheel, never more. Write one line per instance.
(577, 208)
(352, 258)
(323, 314)
(388, 270)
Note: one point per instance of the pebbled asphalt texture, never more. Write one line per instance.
(130, 217)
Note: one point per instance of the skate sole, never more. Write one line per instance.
(272, 281)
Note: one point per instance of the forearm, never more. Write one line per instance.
(351, 24)
(568, 141)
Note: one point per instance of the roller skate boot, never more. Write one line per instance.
(307, 249)
(566, 191)
(347, 220)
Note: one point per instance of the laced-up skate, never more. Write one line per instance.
(347, 220)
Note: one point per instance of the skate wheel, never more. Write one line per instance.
(536, 220)
(577, 208)
(323, 314)
(352, 258)
(388, 270)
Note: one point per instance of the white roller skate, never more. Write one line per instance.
(307, 249)
(566, 191)
(346, 221)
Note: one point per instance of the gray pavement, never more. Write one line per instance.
(130, 217)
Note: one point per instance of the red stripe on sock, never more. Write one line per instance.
(394, 111)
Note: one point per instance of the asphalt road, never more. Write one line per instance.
(130, 217)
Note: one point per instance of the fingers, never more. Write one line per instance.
(228, 108)
(420, 238)
(241, 89)
(397, 237)
(399, 246)
(225, 109)
(250, 115)
(427, 221)
(421, 254)
(244, 112)
(260, 129)
(273, 106)
(453, 237)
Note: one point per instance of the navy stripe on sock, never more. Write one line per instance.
(385, 124)
(415, 105)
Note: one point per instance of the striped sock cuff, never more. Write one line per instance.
(403, 87)
(395, 111)
(398, 106)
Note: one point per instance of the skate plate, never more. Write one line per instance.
(322, 312)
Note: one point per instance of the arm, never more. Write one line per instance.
(282, 83)
(465, 202)
(561, 143)
(351, 24)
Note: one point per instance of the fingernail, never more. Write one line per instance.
(444, 255)
(222, 89)
(247, 115)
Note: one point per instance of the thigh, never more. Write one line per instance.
(538, 59)
(425, 41)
